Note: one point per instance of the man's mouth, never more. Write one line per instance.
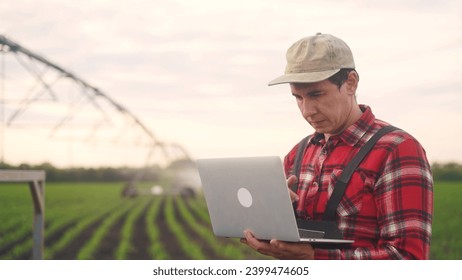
(315, 123)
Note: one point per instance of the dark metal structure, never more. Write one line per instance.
(90, 94)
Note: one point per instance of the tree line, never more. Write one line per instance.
(447, 171)
(83, 174)
(441, 172)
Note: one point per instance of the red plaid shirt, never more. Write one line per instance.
(388, 204)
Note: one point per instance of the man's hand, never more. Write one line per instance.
(279, 249)
(292, 180)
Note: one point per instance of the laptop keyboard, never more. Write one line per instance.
(304, 233)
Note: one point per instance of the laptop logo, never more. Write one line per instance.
(244, 197)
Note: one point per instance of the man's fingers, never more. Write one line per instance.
(293, 196)
(260, 246)
(292, 180)
(250, 239)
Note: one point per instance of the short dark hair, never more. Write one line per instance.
(341, 76)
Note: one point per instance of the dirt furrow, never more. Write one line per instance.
(110, 242)
(167, 238)
(194, 237)
(19, 240)
(140, 239)
(71, 250)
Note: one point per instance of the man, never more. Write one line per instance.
(388, 203)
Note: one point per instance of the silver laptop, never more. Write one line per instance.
(252, 193)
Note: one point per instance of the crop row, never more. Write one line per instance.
(92, 221)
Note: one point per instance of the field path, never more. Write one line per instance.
(108, 245)
(73, 247)
(191, 233)
(167, 238)
(141, 240)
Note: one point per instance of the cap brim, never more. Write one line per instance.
(311, 77)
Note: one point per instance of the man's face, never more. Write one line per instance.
(327, 108)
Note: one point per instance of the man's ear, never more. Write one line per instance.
(352, 82)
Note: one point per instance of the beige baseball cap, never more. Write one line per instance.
(315, 58)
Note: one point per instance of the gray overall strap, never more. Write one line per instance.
(342, 182)
(296, 169)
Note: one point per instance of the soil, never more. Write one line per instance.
(168, 239)
(140, 244)
(141, 240)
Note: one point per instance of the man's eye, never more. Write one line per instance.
(315, 94)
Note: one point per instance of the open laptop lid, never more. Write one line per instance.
(248, 193)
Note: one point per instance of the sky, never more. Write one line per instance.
(196, 72)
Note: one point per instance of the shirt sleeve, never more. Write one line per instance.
(404, 199)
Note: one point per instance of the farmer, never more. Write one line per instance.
(388, 203)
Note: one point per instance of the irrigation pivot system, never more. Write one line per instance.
(47, 84)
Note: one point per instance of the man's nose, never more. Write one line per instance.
(307, 109)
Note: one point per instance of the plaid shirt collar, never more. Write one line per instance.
(353, 134)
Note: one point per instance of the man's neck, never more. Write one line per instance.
(354, 116)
